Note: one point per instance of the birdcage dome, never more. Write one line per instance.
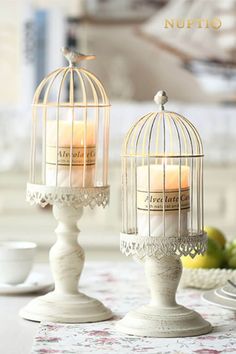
(163, 134)
(162, 185)
(71, 86)
(69, 139)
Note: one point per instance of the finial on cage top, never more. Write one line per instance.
(161, 98)
(74, 57)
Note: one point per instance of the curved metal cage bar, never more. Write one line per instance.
(91, 88)
(70, 131)
(162, 186)
(163, 134)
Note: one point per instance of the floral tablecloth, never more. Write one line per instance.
(122, 287)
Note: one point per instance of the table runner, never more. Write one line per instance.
(121, 286)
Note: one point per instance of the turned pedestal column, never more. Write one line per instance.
(66, 303)
(163, 316)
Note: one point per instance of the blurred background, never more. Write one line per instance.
(136, 57)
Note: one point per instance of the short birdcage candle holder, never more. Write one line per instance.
(68, 169)
(162, 207)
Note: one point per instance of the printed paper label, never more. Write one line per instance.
(63, 157)
(156, 201)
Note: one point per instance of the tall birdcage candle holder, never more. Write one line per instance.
(69, 170)
(162, 207)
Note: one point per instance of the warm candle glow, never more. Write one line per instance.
(65, 133)
(172, 173)
(151, 199)
(58, 152)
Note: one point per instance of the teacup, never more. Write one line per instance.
(16, 261)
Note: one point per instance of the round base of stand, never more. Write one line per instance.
(65, 308)
(150, 321)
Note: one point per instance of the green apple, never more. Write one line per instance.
(232, 262)
(230, 250)
(216, 235)
(230, 254)
(213, 258)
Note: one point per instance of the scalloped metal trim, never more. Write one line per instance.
(142, 246)
(76, 197)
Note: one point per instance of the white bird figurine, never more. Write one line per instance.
(74, 57)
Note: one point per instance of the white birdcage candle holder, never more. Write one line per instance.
(68, 169)
(162, 212)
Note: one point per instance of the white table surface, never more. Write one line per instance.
(16, 334)
(122, 287)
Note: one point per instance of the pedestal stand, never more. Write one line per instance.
(163, 317)
(66, 304)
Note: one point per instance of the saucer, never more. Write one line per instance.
(229, 290)
(212, 298)
(219, 292)
(34, 283)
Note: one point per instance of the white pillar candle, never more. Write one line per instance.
(150, 194)
(58, 160)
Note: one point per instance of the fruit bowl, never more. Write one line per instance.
(202, 278)
(207, 271)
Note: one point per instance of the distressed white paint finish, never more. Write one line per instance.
(163, 317)
(66, 304)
